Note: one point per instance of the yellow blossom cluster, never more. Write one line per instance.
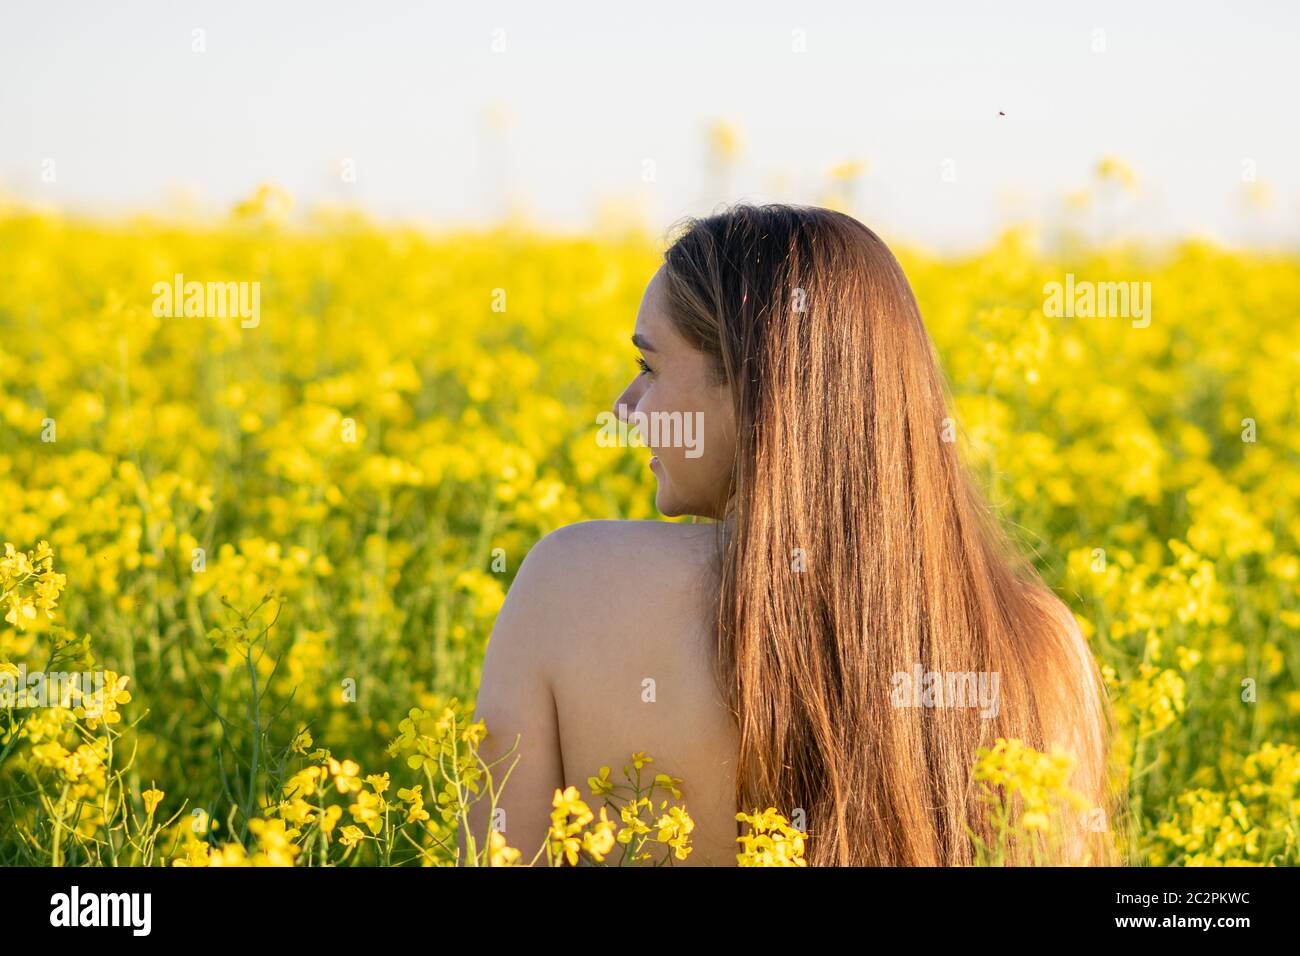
(306, 528)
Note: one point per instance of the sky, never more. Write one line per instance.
(966, 115)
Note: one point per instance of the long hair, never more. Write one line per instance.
(856, 548)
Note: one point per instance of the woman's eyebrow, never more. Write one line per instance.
(640, 342)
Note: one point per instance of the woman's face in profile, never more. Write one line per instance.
(685, 418)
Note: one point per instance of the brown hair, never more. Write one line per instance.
(840, 413)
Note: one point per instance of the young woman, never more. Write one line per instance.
(758, 657)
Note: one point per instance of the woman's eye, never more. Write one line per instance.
(645, 369)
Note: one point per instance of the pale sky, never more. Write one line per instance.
(1188, 94)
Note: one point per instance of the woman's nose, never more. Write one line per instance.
(625, 404)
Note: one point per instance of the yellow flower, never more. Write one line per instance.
(275, 843)
(152, 797)
(368, 810)
(1111, 167)
(664, 782)
(305, 783)
(674, 829)
(633, 825)
(196, 853)
(569, 803)
(771, 842)
(474, 733)
(411, 794)
(725, 140)
(345, 775)
(330, 817)
(230, 854)
(29, 583)
(500, 853)
(296, 811)
(600, 784)
(601, 840)
(103, 704)
(563, 834)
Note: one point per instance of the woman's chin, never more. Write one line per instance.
(666, 504)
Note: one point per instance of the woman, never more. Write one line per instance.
(759, 658)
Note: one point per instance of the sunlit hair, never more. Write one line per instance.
(855, 546)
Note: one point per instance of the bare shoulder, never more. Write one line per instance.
(601, 594)
(599, 612)
(621, 610)
(659, 546)
(588, 575)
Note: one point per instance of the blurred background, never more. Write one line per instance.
(285, 543)
(936, 123)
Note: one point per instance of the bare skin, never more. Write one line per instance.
(604, 646)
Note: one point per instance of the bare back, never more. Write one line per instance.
(636, 674)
